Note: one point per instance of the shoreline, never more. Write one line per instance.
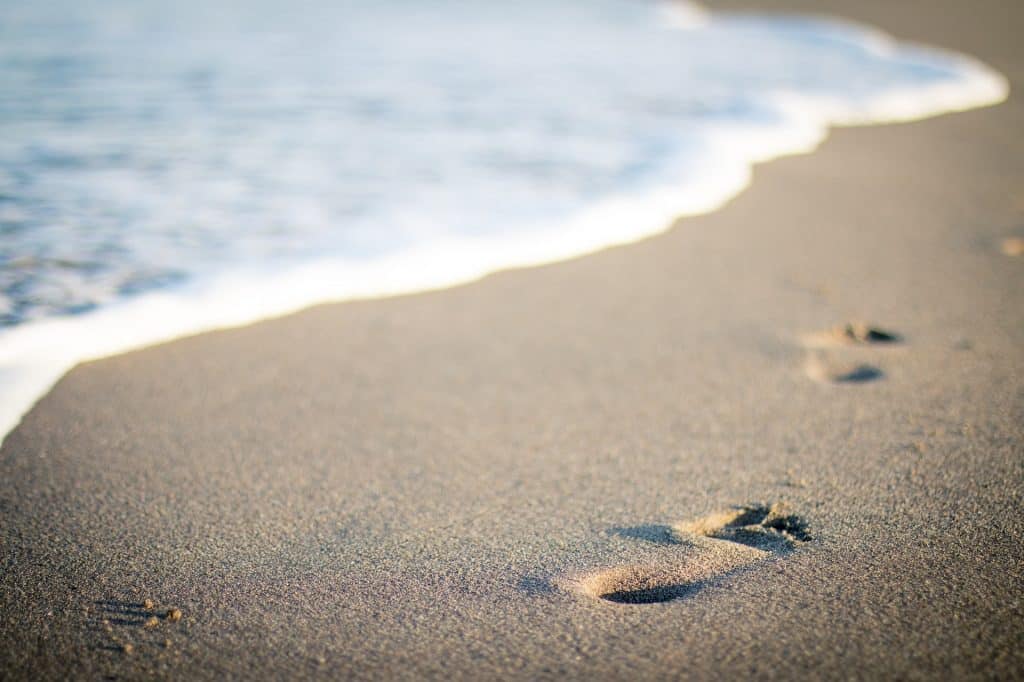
(399, 488)
(34, 355)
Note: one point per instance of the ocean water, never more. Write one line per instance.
(167, 168)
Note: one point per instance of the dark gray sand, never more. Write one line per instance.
(507, 478)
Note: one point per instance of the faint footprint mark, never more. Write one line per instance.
(851, 334)
(826, 360)
(125, 626)
(839, 372)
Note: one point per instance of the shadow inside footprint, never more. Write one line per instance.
(790, 525)
(654, 595)
(858, 375)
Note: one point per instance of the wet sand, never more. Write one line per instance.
(507, 479)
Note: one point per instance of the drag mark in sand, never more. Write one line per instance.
(713, 547)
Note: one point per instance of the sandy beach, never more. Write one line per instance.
(782, 440)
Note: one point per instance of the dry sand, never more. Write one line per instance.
(444, 484)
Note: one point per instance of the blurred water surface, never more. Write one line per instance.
(146, 145)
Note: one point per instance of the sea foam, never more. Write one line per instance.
(159, 180)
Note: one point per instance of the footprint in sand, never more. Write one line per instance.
(831, 371)
(127, 627)
(827, 362)
(851, 334)
(709, 548)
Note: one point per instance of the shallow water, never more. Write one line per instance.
(172, 167)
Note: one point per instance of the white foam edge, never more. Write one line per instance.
(34, 356)
(681, 14)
